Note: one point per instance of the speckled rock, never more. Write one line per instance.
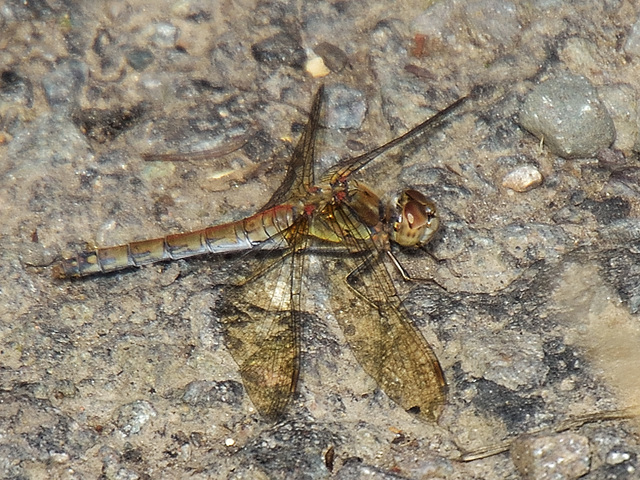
(509, 367)
(621, 101)
(132, 417)
(165, 35)
(632, 43)
(334, 57)
(564, 456)
(566, 113)
(139, 58)
(280, 49)
(491, 21)
(346, 107)
(63, 85)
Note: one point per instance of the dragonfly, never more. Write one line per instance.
(261, 315)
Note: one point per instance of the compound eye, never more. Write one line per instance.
(417, 221)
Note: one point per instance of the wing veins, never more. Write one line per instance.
(399, 358)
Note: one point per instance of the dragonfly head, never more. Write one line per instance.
(415, 220)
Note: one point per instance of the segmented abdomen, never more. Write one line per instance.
(261, 228)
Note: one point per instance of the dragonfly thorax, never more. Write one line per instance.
(413, 219)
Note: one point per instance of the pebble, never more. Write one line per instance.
(568, 115)
(133, 416)
(316, 68)
(334, 58)
(50, 139)
(63, 85)
(139, 58)
(209, 394)
(491, 22)
(165, 35)
(615, 457)
(346, 107)
(522, 179)
(510, 359)
(278, 50)
(15, 89)
(565, 456)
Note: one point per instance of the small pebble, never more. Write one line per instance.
(568, 115)
(63, 85)
(278, 50)
(334, 58)
(139, 58)
(490, 22)
(209, 394)
(346, 107)
(493, 21)
(522, 178)
(165, 35)
(510, 359)
(632, 45)
(133, 416)
(15, 89)
(316, 68)
(563, 456)
(615, 457)
(622, 103)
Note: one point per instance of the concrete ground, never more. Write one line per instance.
(127, 375)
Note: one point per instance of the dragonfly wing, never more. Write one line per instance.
(349, 166)
(300, 169)
(261, 323)
(387, 345)
(383, 339)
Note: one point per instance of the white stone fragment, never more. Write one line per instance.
(316, 68)
(522, 178)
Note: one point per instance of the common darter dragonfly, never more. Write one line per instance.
(337, 214)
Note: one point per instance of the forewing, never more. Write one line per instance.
(300, 169)
(349, 166)
(383, 339)
(261, 322)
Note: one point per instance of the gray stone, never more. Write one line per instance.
(139, 58)
(632, 45)
(165, 35)
(334, 57)
(621, 101)
(279, 50)
(566, 113)
(133, 416)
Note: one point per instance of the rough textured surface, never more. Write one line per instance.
(126, 376)
(564, 456)
(567, 114)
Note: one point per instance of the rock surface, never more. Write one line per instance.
(127, 376)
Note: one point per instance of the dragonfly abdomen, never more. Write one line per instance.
(261, 228)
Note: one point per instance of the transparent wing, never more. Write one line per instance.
(261, 317)
(299, 175)
(351, 165)
(261, 322)
(377, 326)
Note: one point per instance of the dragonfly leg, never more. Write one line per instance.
(356, 280)
(407, 277)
